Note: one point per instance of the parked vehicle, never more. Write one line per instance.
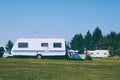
(38, 47)
(98, 53)
(73, 54)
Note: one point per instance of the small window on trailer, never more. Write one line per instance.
(57, 45)
(91, 53)
(44, 44)
(105, 53)
(23, 45)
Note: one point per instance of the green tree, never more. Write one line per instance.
(96, 37)
(88, 41)
(113, 43)
(111, 51)
(9, 44)
(77, 43)
(112, 39)
(118, 43)
(1, 51)
(103, 43)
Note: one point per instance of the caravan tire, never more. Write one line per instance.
(39, 56)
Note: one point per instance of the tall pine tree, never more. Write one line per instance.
(88, 41)
(9, 44)
(77, 43)
(96, 37)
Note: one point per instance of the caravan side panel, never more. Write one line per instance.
(99, 53)
(42, 46)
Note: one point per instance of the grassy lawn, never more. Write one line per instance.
(52, 69)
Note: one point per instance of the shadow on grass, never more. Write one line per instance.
(46, 57)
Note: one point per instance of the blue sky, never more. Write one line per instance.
(56, 18)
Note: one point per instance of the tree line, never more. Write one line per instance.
(96, 40)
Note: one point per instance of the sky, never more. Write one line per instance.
(56, 18)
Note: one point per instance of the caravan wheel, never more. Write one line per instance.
(39, 56)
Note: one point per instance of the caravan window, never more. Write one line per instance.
(105, 53)
(91, 53)
(57, 45)
(44, 44)
(23, 45)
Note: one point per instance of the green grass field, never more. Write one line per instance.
(55, 69)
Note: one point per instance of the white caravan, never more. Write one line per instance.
(39, 47)
(98, 53)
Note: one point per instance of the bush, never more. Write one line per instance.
(1, 52)
(88, 57)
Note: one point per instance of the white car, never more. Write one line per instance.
(73, 54)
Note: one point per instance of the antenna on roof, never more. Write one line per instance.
(36, 34)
